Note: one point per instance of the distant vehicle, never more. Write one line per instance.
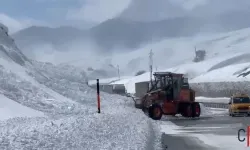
(239, 104)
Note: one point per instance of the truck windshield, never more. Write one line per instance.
(241, 100)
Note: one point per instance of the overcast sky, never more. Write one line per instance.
(18, 14)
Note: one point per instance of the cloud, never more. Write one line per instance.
(189, 4)
(97, 10)
(15, 25)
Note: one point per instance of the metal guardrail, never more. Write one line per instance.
(215, 105)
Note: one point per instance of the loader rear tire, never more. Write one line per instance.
(196, 110)
(186, 110)
(155, 112)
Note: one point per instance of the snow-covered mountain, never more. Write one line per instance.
(144, 21)
(49, 106)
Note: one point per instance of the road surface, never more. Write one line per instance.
(205, 125)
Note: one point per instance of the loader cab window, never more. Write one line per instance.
(185, 83)
(158, 85)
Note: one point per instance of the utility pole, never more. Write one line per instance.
(151, 65)
(118, 70)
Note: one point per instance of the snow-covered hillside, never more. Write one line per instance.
(51, 107)
(172, 52)
(227, 59)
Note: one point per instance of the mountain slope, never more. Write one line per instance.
(119, 33)
(68, 104)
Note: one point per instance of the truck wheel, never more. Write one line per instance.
(196, 109)
(155, 112)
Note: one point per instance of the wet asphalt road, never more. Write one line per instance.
(203, 125)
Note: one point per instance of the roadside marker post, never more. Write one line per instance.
(98, 96)
(248, 136)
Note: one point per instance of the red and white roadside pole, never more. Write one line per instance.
(248, 136)
(98, 96)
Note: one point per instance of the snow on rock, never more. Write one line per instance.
(11, 109)
(4, 28)
(8, 49)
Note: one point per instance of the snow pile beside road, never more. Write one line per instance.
(77, 124)
(223, 100)
(108, 130)
(70, 118)
(206, 111)
(74, 122)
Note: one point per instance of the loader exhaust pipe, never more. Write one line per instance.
(98, 96)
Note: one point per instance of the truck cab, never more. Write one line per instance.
(239, 104)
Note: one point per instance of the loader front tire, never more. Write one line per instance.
(155, 112)
(196, 112)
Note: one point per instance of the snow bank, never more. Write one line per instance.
(117, 127)
(11, 109)
(224, 100)
(205, 111)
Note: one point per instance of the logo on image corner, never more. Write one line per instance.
(244, 135)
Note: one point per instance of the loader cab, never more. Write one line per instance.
(171, 83)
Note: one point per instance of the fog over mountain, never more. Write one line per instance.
(142, 22)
